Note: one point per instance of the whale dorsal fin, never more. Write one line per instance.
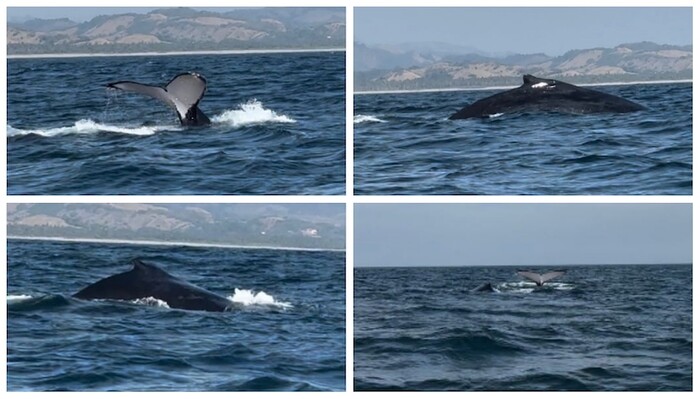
(540, 279)
(143, 268)
(531, 80)
(182, 94)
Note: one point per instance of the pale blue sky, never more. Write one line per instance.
(521, 234)
(551, 30)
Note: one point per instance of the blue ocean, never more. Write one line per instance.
(599, 328)
(278, 126)
(286, 331)
(405, 145)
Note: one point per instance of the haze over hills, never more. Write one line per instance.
(272, 225)
(182, 29)
(408, 68)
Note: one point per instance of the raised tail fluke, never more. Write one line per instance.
(182, 94)
(540, 279)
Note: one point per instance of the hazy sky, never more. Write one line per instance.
(521, 234)
(524, 30)
(81, 14)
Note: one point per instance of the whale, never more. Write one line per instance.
(538, 95)
(540, 279)
(146, 280)
(486, 287)
(183, 94)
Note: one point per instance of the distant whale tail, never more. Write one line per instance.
(182, 94)
(540, 279)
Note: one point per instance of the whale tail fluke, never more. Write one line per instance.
(182, 94)
(540, 279)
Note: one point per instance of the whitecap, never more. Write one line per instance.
(248, 298)
(251, 113)
(151, 301)
(88, 126)
(367, 118)
(11, 299)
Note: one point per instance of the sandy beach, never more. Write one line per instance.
(169, 243)
(651, 82)
(155, 54)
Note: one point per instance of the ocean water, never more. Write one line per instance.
(292, 337)
(404, 144)
(278, 126)
(615, 328)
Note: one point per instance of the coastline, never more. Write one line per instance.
(169, 243)
(172, 53)
(487, 88)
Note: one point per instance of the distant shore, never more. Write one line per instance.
(649, 82)
(155, 54)
(170, 243)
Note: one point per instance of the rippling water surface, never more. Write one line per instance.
(292, 337)
(612, 328)
(404, 144)
(278, 126)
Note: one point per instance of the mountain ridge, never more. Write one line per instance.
(642, 61)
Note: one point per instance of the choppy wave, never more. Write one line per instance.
(598, 328)
(291, 140)
(419, 151)
(251, 113)
(119, 345)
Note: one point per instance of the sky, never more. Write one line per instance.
(549, 30)
(82, 14)
(521, 234)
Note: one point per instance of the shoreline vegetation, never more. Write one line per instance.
(174, 53)
(488, 88)
(169, 243)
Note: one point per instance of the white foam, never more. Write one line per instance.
(540, 85)
(367, 118)
(88, 126)
(151, 301)
(17, 298)
(248, 298)
(496, 115)
(251, 113)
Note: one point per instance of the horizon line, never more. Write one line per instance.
(526, 266)
(169, 243)
(177, 53)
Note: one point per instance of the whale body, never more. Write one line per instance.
(546, 95)
(182, 94)
(146, 280)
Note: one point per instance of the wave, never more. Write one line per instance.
(88, 126)
(249, 298)
(367, 118)
(251, 113)
(34, 302)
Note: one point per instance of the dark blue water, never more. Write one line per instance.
(404, 144)
(612, 328)
(55, 342)
(279, 126)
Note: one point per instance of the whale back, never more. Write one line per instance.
(146, 280)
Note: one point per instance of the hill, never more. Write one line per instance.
(182, 29)
(385, 70)
(275, 225)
